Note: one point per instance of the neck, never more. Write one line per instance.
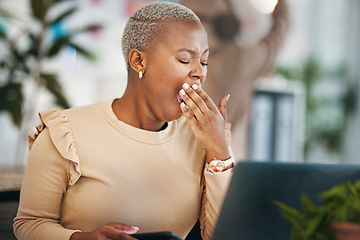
(132, 109)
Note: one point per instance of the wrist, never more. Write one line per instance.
(217, 165)
(220, 155)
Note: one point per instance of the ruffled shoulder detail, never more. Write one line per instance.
(62, 137)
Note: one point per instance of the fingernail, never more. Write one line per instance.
(136, 228)
(132, 230)
(228, 96)
(186, 86)
(182, 92)
(194, 86)
(182, 105)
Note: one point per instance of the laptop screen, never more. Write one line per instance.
(248, 211)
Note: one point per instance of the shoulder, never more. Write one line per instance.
(84, 111)
(63, 122)
(57, 130)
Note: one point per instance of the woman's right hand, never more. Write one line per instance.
(112, 231)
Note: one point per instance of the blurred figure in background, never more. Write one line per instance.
(244, 44)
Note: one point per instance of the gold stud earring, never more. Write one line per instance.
(140, 74)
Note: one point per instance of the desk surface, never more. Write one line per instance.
(11, 179)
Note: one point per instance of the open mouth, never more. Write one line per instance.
(179, 98)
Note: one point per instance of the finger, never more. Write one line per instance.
(187, 113)
(204, 97)
(123, 227)
(222, 106)
(193, 98)
(190, 104)
(116, 234)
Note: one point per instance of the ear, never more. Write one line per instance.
(137, 60)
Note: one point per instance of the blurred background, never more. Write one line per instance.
(69, 54)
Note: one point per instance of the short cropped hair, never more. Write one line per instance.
(147, 22)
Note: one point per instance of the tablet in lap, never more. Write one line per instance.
(156, 236)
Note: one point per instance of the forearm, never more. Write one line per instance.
(221, 153)
(280, 26)
(26, 228)
(281, 12)
(216, 185)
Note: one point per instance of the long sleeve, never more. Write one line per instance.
(214, 186)
(53, 166)
(45, 182)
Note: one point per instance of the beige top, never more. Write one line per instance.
(87, 169)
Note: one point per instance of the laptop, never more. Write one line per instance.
(248, 212)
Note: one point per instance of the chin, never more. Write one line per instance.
(175, 115)
(179, 116)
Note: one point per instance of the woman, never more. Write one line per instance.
(95, 171)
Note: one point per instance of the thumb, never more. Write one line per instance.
(125, 228)
(222, 106)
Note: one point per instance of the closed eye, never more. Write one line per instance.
(204, 64)
(183, 62)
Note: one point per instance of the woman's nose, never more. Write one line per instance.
(198, 72)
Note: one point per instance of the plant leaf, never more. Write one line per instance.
(296, 234)
(285, 208)
(19, 59)
(51, 83)
(314, 225)
(87, 28)
(60, 43)
(84, 52)
(57, 46)
(294, 216)
(341, 213)
(306, 204)
(3, 64)
(357, 184)
(60, 1)
(338, 191)
(2, 33)
(11, 98)
(7, 14)
(33, 45)
(39, 8)
(64, 15)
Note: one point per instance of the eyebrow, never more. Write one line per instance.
(191, 51)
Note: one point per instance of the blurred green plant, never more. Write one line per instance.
(321, 127)
(22, 56)
(341, 203)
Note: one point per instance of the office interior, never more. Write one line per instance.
(306, 110)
